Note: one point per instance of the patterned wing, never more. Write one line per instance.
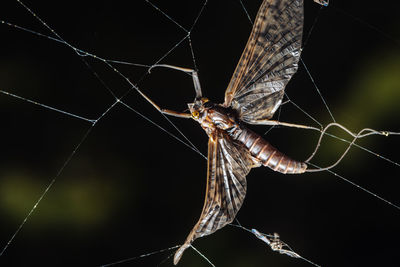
(322, 2)
(268, 61)
(228, 165)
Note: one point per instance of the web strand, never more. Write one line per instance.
(369, 25)
(139, 257)
(317, 89)
(46, 190)
(246, 12)
(81, 53)
(167, 16)
(47, 107)
(267, 239)
(361, 188)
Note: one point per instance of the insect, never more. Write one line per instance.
(275, 243)
(254, 93)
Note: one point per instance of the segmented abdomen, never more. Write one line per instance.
(267, 154)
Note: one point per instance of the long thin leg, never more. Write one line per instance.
(166, 111)
(174, 113)
(196, 81)
(287, 124)
(196, 84)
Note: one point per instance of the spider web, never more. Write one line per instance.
(120, 187)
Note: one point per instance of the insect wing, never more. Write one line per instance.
(269, 60)
(322, 2)
(228, 165)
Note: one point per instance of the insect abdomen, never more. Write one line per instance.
(267, 154)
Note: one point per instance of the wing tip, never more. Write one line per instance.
(179, 253)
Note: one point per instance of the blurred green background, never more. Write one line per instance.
(129, 188)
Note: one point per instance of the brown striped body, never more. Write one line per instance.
(262, 151)
(267, 154)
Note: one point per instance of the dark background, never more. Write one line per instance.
(131, 189)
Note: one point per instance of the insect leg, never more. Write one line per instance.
(196, 81)
(166, 111)
(287, 124)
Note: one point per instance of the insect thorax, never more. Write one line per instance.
(214, 116)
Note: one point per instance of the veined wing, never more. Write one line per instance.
(322, 2)
(268, 62)
(228, 165)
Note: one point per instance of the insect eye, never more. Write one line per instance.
(204, 100)
(195, 114)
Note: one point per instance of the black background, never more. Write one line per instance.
(131, 189)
